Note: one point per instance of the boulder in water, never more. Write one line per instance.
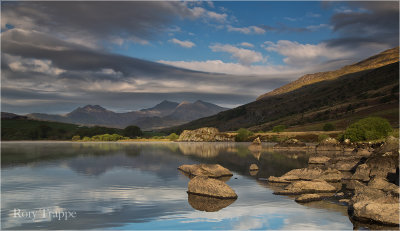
(209, 170)
(204, 186)
(253, 167)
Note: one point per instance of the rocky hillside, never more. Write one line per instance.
(341, 99)
(164, 114)
(379, 60)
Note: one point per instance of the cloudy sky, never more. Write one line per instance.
(125, 56)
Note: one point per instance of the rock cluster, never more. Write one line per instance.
(206, 189)
(329, 144)
(206, 134)
(371, 178)
(290, 143)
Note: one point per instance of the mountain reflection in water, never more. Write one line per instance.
(138, 186)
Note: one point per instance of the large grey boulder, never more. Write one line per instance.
(372, 204)
(204, 186)
(362, 173)
(209, 170)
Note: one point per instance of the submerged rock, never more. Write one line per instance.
(208, 204)
(204, 186)
(210, 170)
(318, 160)
(308, 198)
(302, 187)
(297, 174)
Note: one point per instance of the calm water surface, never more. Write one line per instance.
(138, 186)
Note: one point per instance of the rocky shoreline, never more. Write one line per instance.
(365, 179)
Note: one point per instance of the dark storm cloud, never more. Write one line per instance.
(367, 23)
(105, 19)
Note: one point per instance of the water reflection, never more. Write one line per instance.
(138, 186)
(208, 204)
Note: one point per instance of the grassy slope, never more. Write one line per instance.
(346, 98)
(379, 60)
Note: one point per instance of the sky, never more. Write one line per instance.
(124, 56)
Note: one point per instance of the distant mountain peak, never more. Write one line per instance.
(184, 103)
(90, 109)
(164, 105)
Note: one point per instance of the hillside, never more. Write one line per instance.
(164, 114)
(22, 128)
(340, 100)
(379, 60)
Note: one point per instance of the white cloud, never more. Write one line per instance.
(243, 56)
(186, 43)
(298, 54)
(217, 16)
(246, 44)
(218, 66)
(199, 12)
(34, 65)
(247, 30)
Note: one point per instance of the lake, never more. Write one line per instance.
(137, 186)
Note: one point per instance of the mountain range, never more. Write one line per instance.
(164, 114)
(369, 87)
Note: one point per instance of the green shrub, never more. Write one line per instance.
(172, 137)
(132, 131)
(243, 135)
(76, 138)
(328, 127)
(86, 139)
(322, 137)
(279, 128)
(370, 128)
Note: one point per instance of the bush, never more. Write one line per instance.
(172, 137)
(279, 128)
(132, 131)
(322, 137)
(370, 128)
(86, 139)
(108, 137)
(76, 138)
(328, 127)
(243, 135)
